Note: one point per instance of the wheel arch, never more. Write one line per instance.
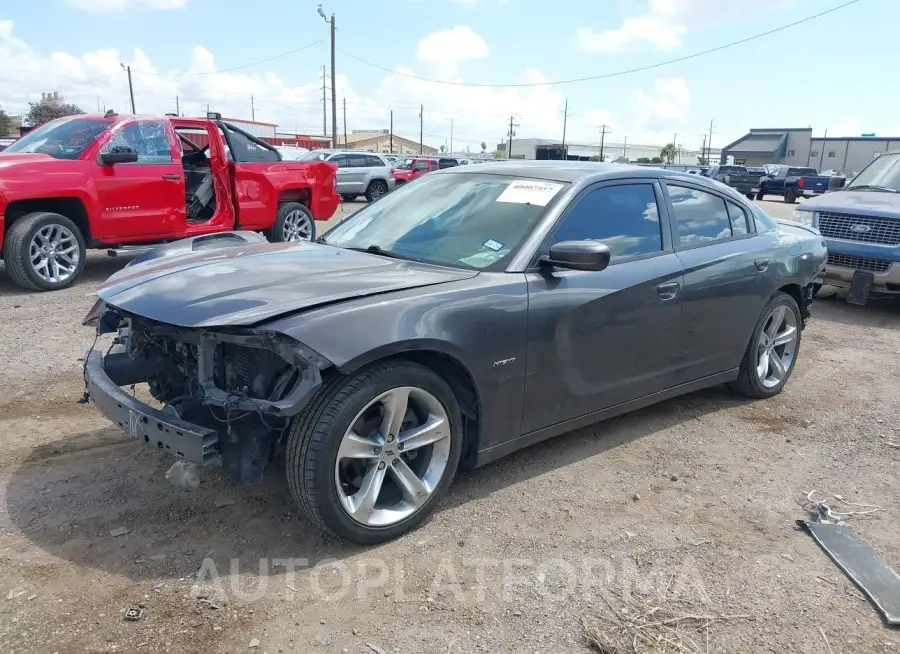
(296, 194)
(72, 208)
(801, 295)
(445, 361)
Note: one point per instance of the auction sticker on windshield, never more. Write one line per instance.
(525, 191)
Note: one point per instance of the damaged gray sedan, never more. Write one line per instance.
(462, 317)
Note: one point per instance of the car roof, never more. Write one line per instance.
(569, 171)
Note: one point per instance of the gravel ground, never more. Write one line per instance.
(691, 500)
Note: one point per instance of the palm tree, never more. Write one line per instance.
(669, 152)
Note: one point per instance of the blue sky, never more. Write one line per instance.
(825, 73)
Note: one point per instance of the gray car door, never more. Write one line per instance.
(597, 339)
(728, 277)
(358, 173)
(343, 180)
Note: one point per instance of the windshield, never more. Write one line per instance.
(314, 155)
(883, 171)
(467, 220)
(403, 164)
(63, 138)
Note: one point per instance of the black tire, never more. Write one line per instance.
(348, 198)
(316, 435)
(17, 245)
(277, 233)
(760, 195)
(747, 383)
(749, 196)
(377, 188)
(790, 195)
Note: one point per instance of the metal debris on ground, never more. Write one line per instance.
(133, 614)
(184, 475)
(854, 555)
(225, 501)
(119, 531)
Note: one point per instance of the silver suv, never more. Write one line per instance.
(359, 173)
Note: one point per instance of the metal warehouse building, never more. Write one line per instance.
(798, 147)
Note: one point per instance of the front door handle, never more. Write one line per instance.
(668, 291)
(761, 265)
(172, 177)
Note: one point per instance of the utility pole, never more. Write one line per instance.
(451, 136)
(703, 159)
(512, 133)
(421, 133)
(709, 144)
(177, 106)
(603, 133)
(675, 143)
(565, 120)
(127, 69)
(625, 149)
(324, 111)
(333, 88)
(392, 131)
(98, 103)
(345, 122)
(822, 150)
(207, 109)
(252, 110)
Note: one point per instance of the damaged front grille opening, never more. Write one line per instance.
(245, 385)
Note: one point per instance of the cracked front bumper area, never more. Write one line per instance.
(159, 429)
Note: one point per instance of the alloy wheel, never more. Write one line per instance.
(393, 456)
(377, 190)
(297, 226)
(777, 347)
(53, 253)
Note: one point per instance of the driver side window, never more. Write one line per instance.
(624, 217)
(148, 138)
(421, 167)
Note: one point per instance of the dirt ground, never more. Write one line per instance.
(694, 500)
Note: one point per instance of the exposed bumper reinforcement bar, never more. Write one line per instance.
(141, 421)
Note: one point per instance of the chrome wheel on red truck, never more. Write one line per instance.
(294, 222)
(44, 251)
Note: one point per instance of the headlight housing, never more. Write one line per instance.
(803, 216)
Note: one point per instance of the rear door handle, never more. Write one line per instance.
(668, 291)
(172, 177)
(761, 264)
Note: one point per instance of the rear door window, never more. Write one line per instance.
(374, 162)
(421, 167)
(356, 160)
(701, 218)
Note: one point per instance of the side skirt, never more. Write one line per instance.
(526, 440)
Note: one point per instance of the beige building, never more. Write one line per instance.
(382, 141)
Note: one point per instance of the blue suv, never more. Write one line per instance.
(861, 226)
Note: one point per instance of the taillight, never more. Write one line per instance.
(800, 183)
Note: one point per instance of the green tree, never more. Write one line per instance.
(499, 154)
(5, 124)
(643, 160)
(483, 146)
(443, 148)
(656, 160)
(702, 161)
(596, 157)
(669, 152)
(49, 109)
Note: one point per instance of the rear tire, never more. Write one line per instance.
(754, 381)
(348, 198)
(314, 463)
(749, 196)
(760, 195)
(293, 222)
(790, 195)
(377, 188)
(24, 236)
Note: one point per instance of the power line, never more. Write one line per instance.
(618, 73)
(233, 68)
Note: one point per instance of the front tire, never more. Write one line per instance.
(772, 351)
(377, 189)
(760, 195)
(293, 222)
(790, 195)
(44, 251)
(749, 196)
(373, 454)
(348, 198)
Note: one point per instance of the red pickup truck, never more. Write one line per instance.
(106, 181)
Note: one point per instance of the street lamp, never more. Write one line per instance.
(333, 83)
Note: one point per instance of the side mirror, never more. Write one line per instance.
(118, 155)
(578, 255)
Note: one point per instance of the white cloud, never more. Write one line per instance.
(100, 6)
(663, 23)
(845, 127)
(446, 49)
(477, 113)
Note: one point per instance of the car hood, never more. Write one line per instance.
(241, 286)
(860, 203)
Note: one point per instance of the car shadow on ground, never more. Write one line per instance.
(69, 495)
(831, 304)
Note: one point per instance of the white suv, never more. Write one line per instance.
(359, 173)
